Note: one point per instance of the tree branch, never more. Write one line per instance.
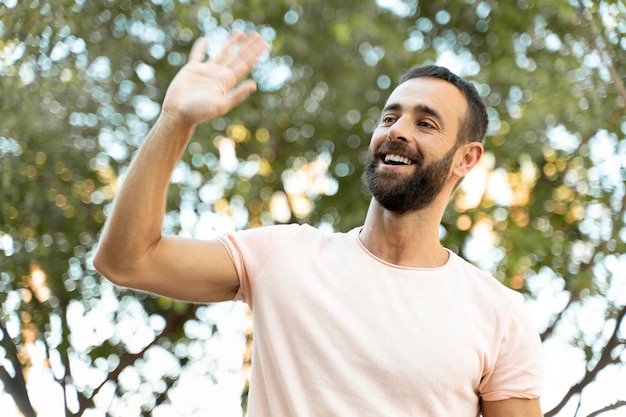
(174, 321)
(611, 407)
(15, 385)
(590, 375)
(573, 296)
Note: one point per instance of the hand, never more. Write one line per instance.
(203, 89)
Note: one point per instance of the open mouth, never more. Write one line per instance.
(395, 159)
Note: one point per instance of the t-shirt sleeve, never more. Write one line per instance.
(230, 243)
(518, 368)
(251, 250)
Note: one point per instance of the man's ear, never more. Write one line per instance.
(467, 157)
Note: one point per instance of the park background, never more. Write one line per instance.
(82, 82)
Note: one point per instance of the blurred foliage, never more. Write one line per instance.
(81, 84)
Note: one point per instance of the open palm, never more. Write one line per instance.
(206, 89)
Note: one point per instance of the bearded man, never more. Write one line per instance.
(379, 321)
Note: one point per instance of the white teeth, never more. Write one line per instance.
(397, 158)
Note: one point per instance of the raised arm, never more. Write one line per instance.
(132, 252)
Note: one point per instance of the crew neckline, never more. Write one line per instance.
(355, 234)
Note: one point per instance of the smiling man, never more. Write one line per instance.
(379, 321)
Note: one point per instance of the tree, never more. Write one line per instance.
(82, 81)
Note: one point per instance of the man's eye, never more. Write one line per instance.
(388, 119)
(426, 125)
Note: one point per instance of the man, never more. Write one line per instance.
(379, 321)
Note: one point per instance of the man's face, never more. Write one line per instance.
(414, 146)
(411, 192)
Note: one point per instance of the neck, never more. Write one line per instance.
(409, 239)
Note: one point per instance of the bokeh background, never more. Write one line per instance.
(82, 82)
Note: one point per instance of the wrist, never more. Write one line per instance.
(175, 123)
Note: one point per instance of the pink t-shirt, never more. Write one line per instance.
(339, 332)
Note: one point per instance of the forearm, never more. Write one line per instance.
(134, 226)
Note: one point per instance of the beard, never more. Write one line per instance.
(412, 193)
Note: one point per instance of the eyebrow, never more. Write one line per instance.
(418, 108)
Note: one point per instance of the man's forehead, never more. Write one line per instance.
(417, 93)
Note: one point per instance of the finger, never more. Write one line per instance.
(246, 54)
(228, 52)
(242, 91)
(198, 50)
(242, 51)
(250, 51)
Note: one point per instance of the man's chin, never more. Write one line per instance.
(395, 207)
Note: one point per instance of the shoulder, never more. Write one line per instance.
(485, 284)
(504, 307)
(270, 238)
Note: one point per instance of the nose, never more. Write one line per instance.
(399, 130)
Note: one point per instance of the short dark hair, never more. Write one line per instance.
(474, 127)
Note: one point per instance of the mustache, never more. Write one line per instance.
(391, 146)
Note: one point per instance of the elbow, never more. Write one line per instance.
(106, 266)
(121, 265)
(99, 262)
